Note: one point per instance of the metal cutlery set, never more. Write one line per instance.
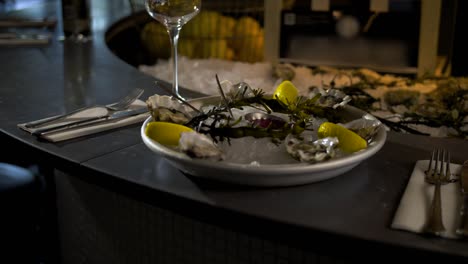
(23, 39)
(20, 38)
(59, 123)
(15, 22)
(438, 173)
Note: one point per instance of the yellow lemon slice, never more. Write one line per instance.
(348, 140)
(165, 133)
(286, 92)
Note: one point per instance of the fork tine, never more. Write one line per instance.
(127, 100)
(123, 102)
(131, 96)
(442, 165)
(429, 168)
(436, 167)
(447, 169)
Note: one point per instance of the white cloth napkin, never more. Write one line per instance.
(416, 201)
(96, 127)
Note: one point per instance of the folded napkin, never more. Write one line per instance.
(416, 201)
(90, 128)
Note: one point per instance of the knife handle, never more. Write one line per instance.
(41, 131)
(463, 228)
(36, 123)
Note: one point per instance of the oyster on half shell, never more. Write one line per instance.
(367, 126)
(168, 109)
(198, 145)
(330, 97)
(237, 91)
(309, 150)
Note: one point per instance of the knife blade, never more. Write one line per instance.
(88, 121)
(463, 228)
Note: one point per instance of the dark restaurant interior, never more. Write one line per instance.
(236, 131)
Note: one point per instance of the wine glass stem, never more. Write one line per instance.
(174, 37)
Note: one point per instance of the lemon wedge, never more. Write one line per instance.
(165, 133)
(348, 140)
(286, 92)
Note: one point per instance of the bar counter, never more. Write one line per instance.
(118, 202)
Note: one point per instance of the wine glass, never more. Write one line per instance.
(173, 14)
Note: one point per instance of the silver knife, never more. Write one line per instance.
(463, 228)
(91, 120)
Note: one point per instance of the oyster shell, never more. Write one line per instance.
(330, 98)
(198, 145)
(366, 127)
(168, 109)
(402, 97)
(311, 151)
(237, 91)
(284, 72)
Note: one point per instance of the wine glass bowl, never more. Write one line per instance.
(173, 14)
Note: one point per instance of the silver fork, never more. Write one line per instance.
(117, 106)
(437, 175)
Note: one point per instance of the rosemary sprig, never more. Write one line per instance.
(220, 125)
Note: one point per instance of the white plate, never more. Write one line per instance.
(269, 174)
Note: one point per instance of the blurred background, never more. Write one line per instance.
(397, 36)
